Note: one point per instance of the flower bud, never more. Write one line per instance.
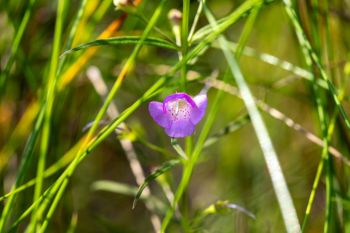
(123, 3)
(175, 16)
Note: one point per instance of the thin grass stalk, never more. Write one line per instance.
(50, 98)
(318, 178)
(246, 31)
(69, 74)
(278, 181)
(15, 46)
(23, 170)
(73, 223)
(330, 52)
(195, 21)
(74, 69)
(72, 34)
(184, 50)
(311, 57)
(325, 156)
(321, 163)
(184, 39)
(315, 26)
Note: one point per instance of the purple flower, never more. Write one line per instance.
(179, 113)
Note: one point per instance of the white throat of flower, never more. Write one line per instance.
(179, 109)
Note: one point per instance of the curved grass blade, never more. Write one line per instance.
(207, 29)
(219, 208)
(164, 168)
(50, 95)
(122, 40)
(222, 207)
(115, 187)
(128, 190)
(15, 46)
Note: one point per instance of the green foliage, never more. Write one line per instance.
(276, 124)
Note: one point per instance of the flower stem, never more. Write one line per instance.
(184, 40)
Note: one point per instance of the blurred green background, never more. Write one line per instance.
(231, 169)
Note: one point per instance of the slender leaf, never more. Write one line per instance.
(159, 171)
(178, 148)
(122, 40)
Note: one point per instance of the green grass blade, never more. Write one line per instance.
(73, 223)
(311, 57)
(116, 187)
(320, 166)
(246, 31)
(50, 97)
(128, 190)
(15, 46)
(195, 21)
(159, 171)
(279, 184)
(23, 170)
(207, 30)
(122, 40)
(178, 148)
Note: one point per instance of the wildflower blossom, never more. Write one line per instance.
(179, 113)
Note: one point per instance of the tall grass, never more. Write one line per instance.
(214, 180)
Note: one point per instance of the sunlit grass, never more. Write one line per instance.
(81, 148)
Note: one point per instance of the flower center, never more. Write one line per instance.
(179, 109)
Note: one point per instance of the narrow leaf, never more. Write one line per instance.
(164, 168)
(122, 40)
(178, 148)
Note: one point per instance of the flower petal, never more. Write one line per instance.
(180, 95)
(180, 129)
(201, 101)
(158, 114)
